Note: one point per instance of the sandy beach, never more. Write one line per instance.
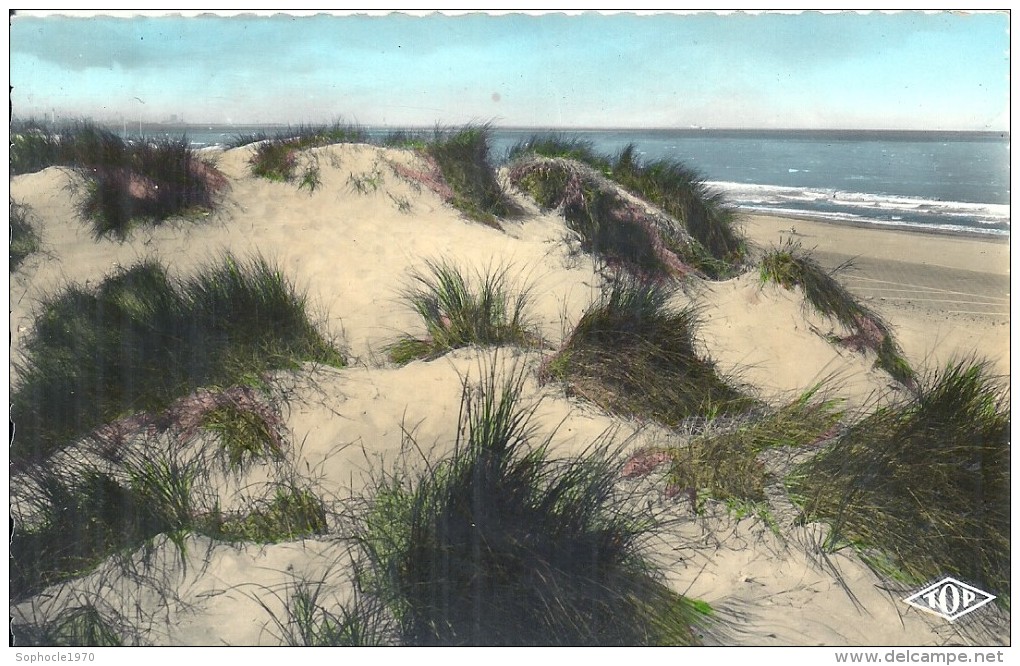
(353, 253)
(944, 294)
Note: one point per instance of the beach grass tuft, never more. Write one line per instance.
(246, 434)
(633, 354)
(83, 515)
(562, 146)
(274, 160)
(463, 158)
(161, 178)
(36, 145)
(308, 623)
(682, 192)
(80, 626)
(606, 225)
(277, 158)
(500, 544)
(923, 483)
(409, 139)
(366, 183)
(141, 340)
(460, 309)
(291, 513)
(123, 184)
(790, 266)
(713, 245)
(722, 462)
(81, 512)
(24, 239)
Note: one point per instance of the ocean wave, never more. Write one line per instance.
(989, 228)
(891, 210)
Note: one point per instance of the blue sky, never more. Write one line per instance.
(848, 70)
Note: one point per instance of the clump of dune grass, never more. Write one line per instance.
(123, 184)
(633, 353)
(247, 138)
(500, 544)
(247, 433)
(158, 179)
(463, 159)
(459, 309)
(923, 485)
(403, 138)
(141, 340)
(790, 266)
(291, 513)
(24, 239)
(83, 515)
(81, 626)
(607, 225)
(74, 516)
(274, 160)
(561, 146)
(277, 158)
(713, 244)
(366, 183)
(680, 191)
(36, 145)
(310, 621)
(722, 461)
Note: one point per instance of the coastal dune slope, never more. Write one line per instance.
(353, 252)
(352, 243)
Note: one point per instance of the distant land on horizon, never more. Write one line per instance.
(883, 133)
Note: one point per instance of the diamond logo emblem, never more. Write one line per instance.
(949, 598)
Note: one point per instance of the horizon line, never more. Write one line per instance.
(579, 128)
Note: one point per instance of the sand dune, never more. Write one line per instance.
(353, 253)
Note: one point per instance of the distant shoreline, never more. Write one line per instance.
(864, 224)
(1000, 239)
(720, 132)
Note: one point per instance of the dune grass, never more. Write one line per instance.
(81, 626)
(33, 147)
(310, 621)
(722, 462)
(163, 178)
(123, 184)
(276, 158)
(86, 512)
(633, 354)
(464, 160)
(247, 138)
(500, 544)
(247, 434)
(790, 266)
(291, 513)
(141, 340)
(460, 309)
(606, 225)
(681, 192)
(83, 515)
(366, 183)
(402, 138)
(24, 239)
(563, 146)
(36, 145)
(923, 484)
(715, 246)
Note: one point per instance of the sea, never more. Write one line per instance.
(956, 182)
